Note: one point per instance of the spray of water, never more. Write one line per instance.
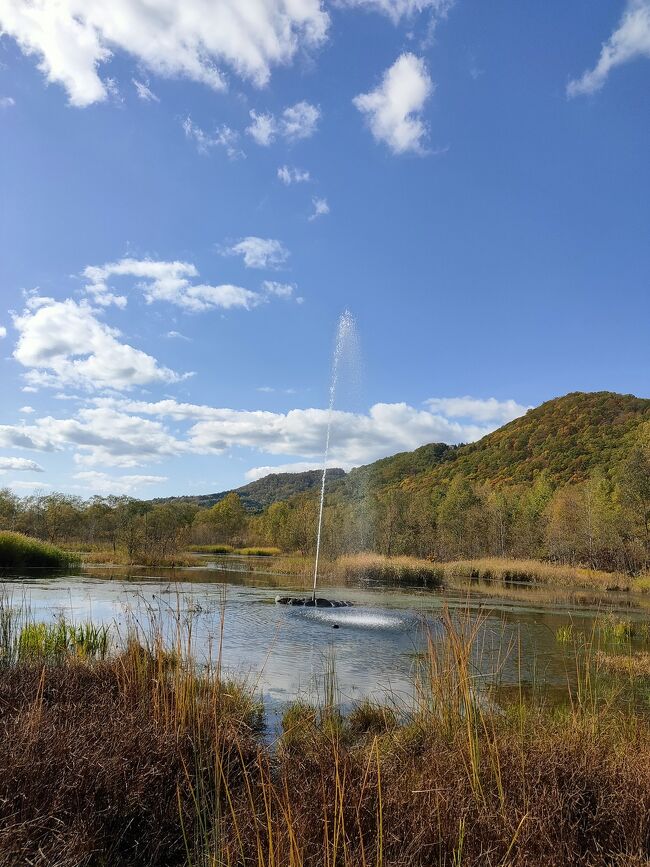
(344, 337)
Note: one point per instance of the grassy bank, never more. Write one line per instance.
(137, 759)
(228, 549)
(20, 551)
(98, 556)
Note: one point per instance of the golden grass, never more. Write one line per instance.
(535, 572)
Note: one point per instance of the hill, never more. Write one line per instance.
(258, 495)
(568, 438)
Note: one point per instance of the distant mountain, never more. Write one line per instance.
(257, 495)
(568, 438)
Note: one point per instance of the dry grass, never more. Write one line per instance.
(534, 572)
(140, 760)
(636, 664)
(108, 557)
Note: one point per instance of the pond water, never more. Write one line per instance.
(375, 646)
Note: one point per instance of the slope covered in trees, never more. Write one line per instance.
(257, 495)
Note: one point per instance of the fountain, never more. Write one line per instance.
(345, 334)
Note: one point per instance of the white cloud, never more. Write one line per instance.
(222, 137)
(3, 331)
(398, 9)
(176, 335)
(296, 467)
(488, 410)
(144, 91)
(393, 109)
(26, 410)
(101, 435)
(30, 486)
(123, 432)
(629, 41)
(195, 39)
(21, 464)
(296, 122)
(280, 290)
(258, 252)
(321, 208)
(356, 438)
(63, 343)
(299, 121)
(292, 175)
(7, 101)
(263, 128)
(103, 483)
(168, 281)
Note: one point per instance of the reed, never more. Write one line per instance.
(20, 551)
(141, 758)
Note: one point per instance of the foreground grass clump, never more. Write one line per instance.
(399, 570)
(140, 760)
(18, 551)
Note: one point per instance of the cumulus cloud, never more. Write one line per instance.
(21, 464)
(125, 432)
(3, 331)
(101, 435)
(167, 281)
(71, 39)
(630, 40)
(63, 343)
(7, 101)
(484, 410)
(144, 91)
(258, 252)
(292, 175)
(393, 109)
(26, 410)
(222, 137)
(103, 483)
(296, 122)
(280, 290)
(321, 207)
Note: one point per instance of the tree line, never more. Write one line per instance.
(602, 522)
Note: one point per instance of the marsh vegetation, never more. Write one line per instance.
(138, 757)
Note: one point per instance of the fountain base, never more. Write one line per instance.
(308, 602)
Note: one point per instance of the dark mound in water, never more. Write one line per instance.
(308, 602)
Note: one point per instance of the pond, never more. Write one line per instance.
(374, 647)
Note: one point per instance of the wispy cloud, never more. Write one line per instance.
(292, 175)
(7, 101)
(144, 91)
(296, 122)
(321, 207)
(629, 41)
(258, 252)
(222, 137)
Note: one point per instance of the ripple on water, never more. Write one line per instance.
(357, 617)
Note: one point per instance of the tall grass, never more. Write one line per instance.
(142, 758)
(20, 551)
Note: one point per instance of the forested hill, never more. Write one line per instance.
(569, 438)
(257, 495)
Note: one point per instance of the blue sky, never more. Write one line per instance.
(190, 199)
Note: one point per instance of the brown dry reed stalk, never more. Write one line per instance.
(144, 758)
